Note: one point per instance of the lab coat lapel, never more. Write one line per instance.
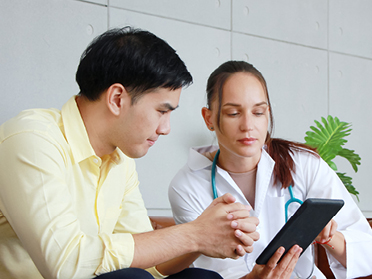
(196, 160)
(264, 175)
(230, 183)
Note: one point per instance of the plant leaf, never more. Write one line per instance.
(328, 139)
(348, 184)
(351, 156)
(332, 165)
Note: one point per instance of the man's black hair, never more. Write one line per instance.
(135, 58)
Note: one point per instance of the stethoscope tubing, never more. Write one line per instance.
(291, 200)
(213, 175)
(215, 195)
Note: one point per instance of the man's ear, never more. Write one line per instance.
(207, 115)
(117, 97)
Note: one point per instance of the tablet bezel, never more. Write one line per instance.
(303, 227)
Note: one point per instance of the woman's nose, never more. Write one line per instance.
(247, 123)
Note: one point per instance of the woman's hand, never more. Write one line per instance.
(327, 233)
(333, 241)
(273, 269)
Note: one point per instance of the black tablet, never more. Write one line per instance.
(303, 227)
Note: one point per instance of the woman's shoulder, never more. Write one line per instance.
(198, 157)
(195, 171)
(294, 149)
(310, 164)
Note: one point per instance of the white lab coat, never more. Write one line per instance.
(190, 193)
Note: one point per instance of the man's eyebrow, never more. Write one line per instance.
(167, 106)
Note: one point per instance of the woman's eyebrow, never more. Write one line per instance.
(232, 104)
(238, 105)
(261, 104)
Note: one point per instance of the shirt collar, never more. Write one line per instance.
(118, 156)
(77, 136)
(198, 161)
(75, 132)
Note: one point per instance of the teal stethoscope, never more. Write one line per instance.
(215, 195)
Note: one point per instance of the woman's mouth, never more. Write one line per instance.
(247, 141)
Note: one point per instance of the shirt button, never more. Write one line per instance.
(95, 160)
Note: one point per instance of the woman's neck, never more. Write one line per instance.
(235, 163)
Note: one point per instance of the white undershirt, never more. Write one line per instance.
(246, 181)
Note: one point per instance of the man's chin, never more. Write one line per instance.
(136, 153)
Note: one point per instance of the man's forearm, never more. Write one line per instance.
(178, 264)
(212, 234)
(166, 246)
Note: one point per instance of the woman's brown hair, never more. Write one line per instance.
(279, 149)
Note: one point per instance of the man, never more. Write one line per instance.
(69, 198)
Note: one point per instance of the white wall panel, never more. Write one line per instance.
(302, 22)
(101, 2)
(294, 43)
(350, 99)
(350, 27)
(215, 13)
(296, 78)
(41, 44)
(202, 49)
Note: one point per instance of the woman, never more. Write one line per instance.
(259, 170)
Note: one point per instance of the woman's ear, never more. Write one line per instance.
(207, 115)
(116, 98)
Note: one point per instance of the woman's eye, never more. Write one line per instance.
(259, 113)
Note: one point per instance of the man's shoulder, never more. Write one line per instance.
(43, 121)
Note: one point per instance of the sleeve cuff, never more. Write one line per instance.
(357, 244)
(154, 272)
(118, 252)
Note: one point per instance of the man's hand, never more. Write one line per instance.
(214, 233)
(225, 230)
(245, 229)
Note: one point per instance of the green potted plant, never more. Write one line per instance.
(329, 139)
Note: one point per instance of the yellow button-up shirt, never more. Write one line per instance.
(64, 212)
